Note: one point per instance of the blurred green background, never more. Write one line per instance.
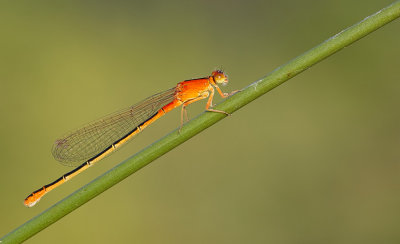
(314, 161)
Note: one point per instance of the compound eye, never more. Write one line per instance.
(220, 77)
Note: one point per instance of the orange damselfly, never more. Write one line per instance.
(94, 141)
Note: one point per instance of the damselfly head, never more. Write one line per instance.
(220, 77)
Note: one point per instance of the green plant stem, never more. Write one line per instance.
(203, 121)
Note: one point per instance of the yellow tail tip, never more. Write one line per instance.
(34, 198)
(29, 202)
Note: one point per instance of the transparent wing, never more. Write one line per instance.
(92, 139)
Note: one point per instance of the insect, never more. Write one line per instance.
(96, 140)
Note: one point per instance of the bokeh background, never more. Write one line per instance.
(314, 161)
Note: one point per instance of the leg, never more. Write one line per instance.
(183, 110)
(209, 103)
(224, 94)
(218, 111)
